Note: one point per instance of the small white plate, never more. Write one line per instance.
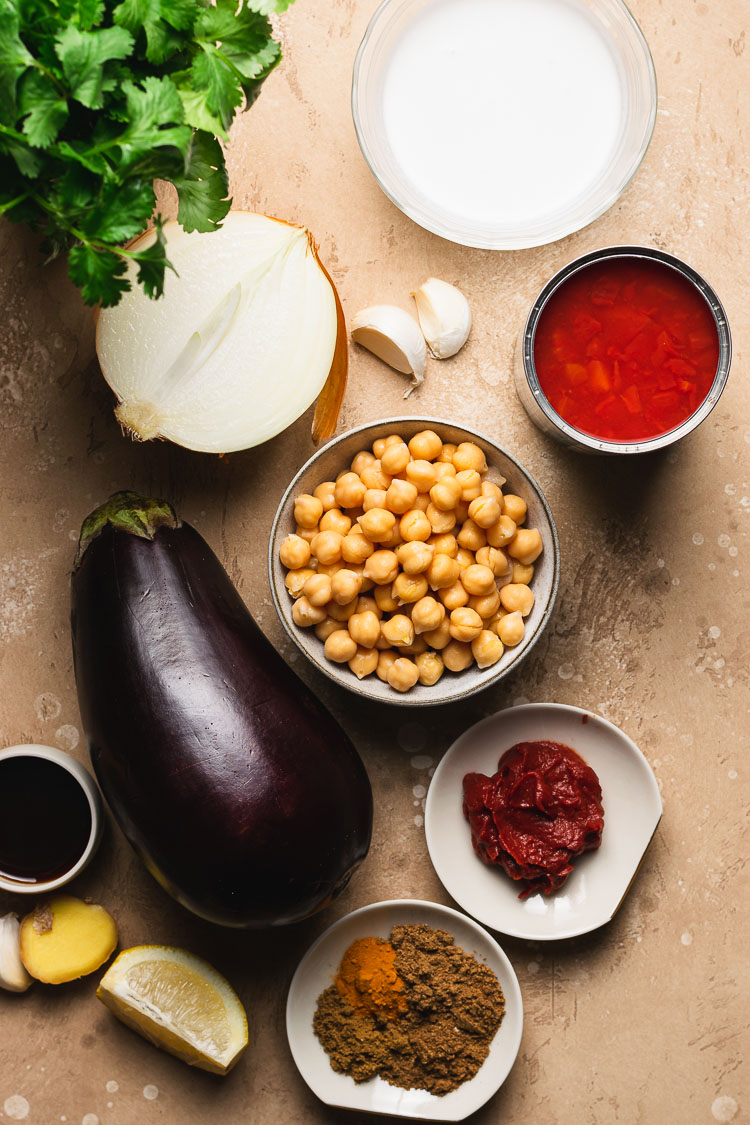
(600, 879)
(315, 973)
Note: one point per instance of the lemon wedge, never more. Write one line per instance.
(179, 1002)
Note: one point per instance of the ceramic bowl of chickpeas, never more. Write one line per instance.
(414, 561)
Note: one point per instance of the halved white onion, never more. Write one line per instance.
(240, 344)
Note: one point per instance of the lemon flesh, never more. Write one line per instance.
(178, 1002)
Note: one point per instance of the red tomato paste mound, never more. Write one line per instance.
(540, 810)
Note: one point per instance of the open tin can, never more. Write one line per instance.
(538, 406)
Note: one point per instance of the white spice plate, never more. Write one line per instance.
(601, 879)
(315, 973)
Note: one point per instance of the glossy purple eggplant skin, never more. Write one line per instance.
(239, 791)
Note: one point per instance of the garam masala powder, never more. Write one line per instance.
(416, 1009)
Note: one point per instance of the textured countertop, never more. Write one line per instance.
(642, 1021)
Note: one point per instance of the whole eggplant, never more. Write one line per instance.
(241, 794)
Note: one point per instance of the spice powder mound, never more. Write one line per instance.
(416, 1010)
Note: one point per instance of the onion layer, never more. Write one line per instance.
(244, 338)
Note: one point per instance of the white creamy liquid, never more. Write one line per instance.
(503, 111)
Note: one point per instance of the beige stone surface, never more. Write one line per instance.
(643, 1021)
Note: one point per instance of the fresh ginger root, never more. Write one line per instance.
(65, 938)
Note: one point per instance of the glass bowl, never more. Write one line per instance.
(436, 142)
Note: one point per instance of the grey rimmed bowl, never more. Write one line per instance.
(333, 459)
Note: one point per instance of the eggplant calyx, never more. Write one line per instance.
(127, 511)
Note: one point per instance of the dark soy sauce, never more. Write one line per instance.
(45, 820)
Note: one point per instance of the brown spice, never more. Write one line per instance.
(453, 1007)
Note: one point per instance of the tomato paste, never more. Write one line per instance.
(626, 349)
(540, 810)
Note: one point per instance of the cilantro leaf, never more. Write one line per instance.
(266, 7)
(160, 20)
(204, 186)
(98, 273)
(152, 263)
(84, 55)
(120, 212)
(237, 55)
(152, 108)
(14, 59)
(42, 106)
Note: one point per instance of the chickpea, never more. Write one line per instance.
(328, 626)
(427, 614)
(446, 453)
(400, 496)
(374, 498)
(330, 568)
(364, 628)
(514, 507)
(409, 588)
(486, 649)
(415, 557)
(345, 586)
(453, 597)
(430, 667)
(470, 456)
(464, 558)
(421, 474)
(462, 512)
(398, 630)
(381, 444)
(394, 540)
(364, 662)
(308, 510)
(296, 579)
(349, 490)
(441, 521)
(415, 525)
(422, 501)
(522, 574)
(425, 446)
(444, 469)
(335, 520)
(501, 533)
(382, 568)
(306, 533)
(403, 674)
(342, 612)
(445, 544)
(294, 552)
(471, 536)
(485, 511)
(457, 656)
(362, 460)
(366, 604)
(478, 579)
(340, 647)
(305, 615)
(395, 458)
(365, 584)
(495, 559)
(527, 545)
(325, 492)
(517, 597)
(386, 660)
(440, 637)
(373, 476)
(490, 488)
(377, 524)
(318, 589)
(354, 547)
(486, 605)
(446, 494)
(511, 628)
(384, 599)
(442, 572)
(466, 624)
(326, 546)
(471, 484)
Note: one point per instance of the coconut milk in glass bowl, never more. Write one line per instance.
(503, 124)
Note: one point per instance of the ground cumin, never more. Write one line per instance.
(453, 1007)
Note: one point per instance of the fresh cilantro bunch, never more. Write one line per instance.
(100, 97)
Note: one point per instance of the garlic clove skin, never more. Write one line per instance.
(444, 317)
(393, 336)
(13, 975)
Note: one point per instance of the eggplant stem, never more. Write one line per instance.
(127, 511)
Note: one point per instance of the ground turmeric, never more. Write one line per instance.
(367, 978)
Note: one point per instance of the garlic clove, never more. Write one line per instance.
(393, 336)
(13, 975)
(444, 317)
